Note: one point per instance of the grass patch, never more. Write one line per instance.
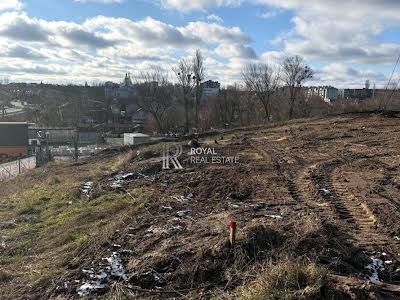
(287, 280)
(55, 227)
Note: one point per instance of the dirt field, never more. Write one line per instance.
(322, 192)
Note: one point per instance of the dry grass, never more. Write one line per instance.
(286, 280)
(54, 225)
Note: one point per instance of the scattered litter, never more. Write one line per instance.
(127, 251)
(117, 269)
(91, 287)
(154, 276)
(99, 280)
(278, 217)
(118, 181)
(167, 207)
(176, 228)
(87, 189)
(87, 271)
(182, 213)
(183, 198)
(234, 205)
(325, 191)
(388, 262)
(375, 266)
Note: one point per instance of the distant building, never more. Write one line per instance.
(124, 101)
(327, 93)
(356, 94)
(136, 138)
(14, 139)
(125, 90)
(209, 89)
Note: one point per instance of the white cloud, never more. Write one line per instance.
(197, 5)
(100, 1)
(215, 18)
(103, 48)
(343, 76)
(10, 5)
(270, 14)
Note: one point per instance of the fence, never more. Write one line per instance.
(14, 168)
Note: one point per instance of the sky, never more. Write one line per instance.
(345, 42)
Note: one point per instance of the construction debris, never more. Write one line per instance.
(374, 267)
(325, 191)
(96, 281)
(122, 179)
(87, 189)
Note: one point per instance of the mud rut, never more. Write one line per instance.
(318, 189)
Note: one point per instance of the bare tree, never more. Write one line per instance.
(295, 73)
(262, 81)
(155, 95)
(184, 74)
(199, 73)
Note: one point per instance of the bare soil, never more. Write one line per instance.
(325, 191)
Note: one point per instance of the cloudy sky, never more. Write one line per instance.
(345, 41)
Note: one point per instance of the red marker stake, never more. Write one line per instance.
(232, 237)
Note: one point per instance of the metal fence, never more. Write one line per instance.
(14, 168)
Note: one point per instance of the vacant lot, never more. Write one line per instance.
(316, 204)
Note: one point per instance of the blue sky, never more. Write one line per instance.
(99, 40)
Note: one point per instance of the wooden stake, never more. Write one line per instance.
(232, 236)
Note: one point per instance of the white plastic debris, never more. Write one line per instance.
(278, 217)
(375, 266)
(90, 287)
(325, 191)
(99, 280)
(183, 198)
(118, 181)
(182, 213)
(87, 189)
(117, 269)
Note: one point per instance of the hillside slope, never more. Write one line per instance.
(316, 205)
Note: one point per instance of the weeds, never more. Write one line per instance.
(286, 280)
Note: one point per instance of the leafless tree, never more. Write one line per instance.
(184, 74)
(294, 73)
(262, 81)
(155, 95)
(199, 73)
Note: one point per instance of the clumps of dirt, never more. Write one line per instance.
(328, 245)
(217, 265)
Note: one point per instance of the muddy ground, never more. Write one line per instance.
(325, 191)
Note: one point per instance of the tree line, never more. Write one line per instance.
(267, 93)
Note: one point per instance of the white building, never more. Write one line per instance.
(125, 90)
(209, 89)
(136, 138)
(327, 93)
